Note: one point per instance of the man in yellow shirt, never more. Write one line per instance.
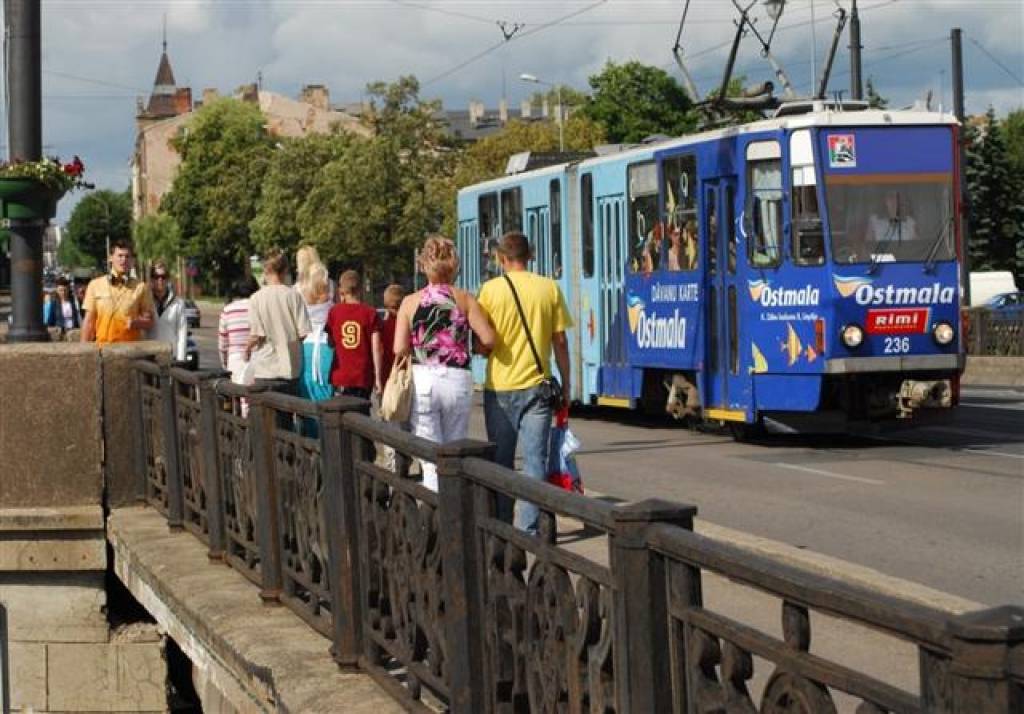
(514, 410)
(118, 308)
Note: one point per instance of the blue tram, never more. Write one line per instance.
(800, 271)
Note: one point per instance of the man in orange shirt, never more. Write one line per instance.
(118, 308)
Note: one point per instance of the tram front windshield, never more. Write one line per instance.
(885, 218)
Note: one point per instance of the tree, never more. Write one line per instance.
(225, 151)
(571, 97)
(374, 203)
(634, 101)
(157, 236)
(99, 216)
(875, 100)
(996, 210)
(293, 172)
(1013, 130)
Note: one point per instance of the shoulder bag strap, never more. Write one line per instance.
(526, 327)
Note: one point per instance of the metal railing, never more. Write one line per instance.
(991, 333)
(450, 608)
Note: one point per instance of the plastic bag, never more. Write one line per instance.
(562, 447)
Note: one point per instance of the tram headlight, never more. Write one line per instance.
(853, 336)
(943, 333)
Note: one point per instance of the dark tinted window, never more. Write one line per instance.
(512, 210)
(556, 228)
(587, 223)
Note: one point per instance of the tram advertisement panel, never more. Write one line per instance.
(663, 313)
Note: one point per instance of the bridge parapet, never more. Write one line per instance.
(450, 608)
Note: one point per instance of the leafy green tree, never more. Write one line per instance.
(375, 202)
(875, 100)
(99, 216)
(634, 101)
(294, 171)
(996, 209)
(1013, 130)
(157, 236)
(225, 151)
(571, 97)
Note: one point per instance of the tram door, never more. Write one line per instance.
(724, 393)
(613, 256)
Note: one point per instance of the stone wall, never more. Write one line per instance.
(60, 403)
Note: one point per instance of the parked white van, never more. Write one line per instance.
(987, 284)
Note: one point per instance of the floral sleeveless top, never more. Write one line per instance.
(440, 330)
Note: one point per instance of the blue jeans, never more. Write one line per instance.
(519, 416)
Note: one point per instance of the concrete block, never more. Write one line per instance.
(71, 518)
(994, 371)
(112, 677)
(50, 443)
(55, 607)
(37, 553)
(28, 676)
(121, 421)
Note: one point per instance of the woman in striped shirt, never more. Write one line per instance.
(233, 331)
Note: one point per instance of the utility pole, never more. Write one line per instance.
(956, 40)
(25, 126)
(856, 86)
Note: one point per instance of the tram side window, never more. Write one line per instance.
(646, 235)
(808, 235)
(512, 210)
(555, 212)
(587, 223)
(764, 203)
(490, 231)
(679, 192)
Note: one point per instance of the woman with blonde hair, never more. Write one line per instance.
(314, 286)
(434, 325)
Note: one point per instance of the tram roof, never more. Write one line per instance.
(823, 118)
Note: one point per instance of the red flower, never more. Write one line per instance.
(75, 168)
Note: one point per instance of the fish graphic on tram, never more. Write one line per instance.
(801, 272)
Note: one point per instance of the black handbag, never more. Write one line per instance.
(549, 388)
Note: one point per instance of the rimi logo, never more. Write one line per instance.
(908, 320)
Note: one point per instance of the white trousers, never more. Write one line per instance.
(440, 408)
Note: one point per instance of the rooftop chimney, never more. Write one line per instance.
(317, 95)
(524, 108)
(503, 111)
(210, 94)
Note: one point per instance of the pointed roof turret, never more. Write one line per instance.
(162, 100)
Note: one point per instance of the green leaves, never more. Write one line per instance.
(996, 210)
(99, 215)
(634, 101)
(225, 152)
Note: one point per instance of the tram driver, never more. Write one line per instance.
(892, 222)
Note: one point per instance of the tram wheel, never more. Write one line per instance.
(744, 432)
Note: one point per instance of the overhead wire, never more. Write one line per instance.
(999, 64)
(532, 31)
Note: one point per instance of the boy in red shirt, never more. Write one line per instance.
(353, 329)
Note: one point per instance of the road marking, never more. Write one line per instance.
(963, 449)
(993, 453)
(1014, 407)
(829, 474)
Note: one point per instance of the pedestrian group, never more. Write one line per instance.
(317, 339)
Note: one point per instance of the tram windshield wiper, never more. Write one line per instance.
(944, 228)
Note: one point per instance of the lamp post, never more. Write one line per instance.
(558, 92)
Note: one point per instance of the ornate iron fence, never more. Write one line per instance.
(990, 332)
(452, 609)
(238, 539)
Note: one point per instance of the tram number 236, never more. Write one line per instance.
(897, 345)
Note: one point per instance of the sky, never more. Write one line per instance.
(101, 56)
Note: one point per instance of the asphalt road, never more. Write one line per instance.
(939, 504)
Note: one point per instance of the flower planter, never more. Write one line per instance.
(26, 198)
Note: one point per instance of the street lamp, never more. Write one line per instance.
(558, 91)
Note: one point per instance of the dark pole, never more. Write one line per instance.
(856, 86)
(955, 38)
(24, 80)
